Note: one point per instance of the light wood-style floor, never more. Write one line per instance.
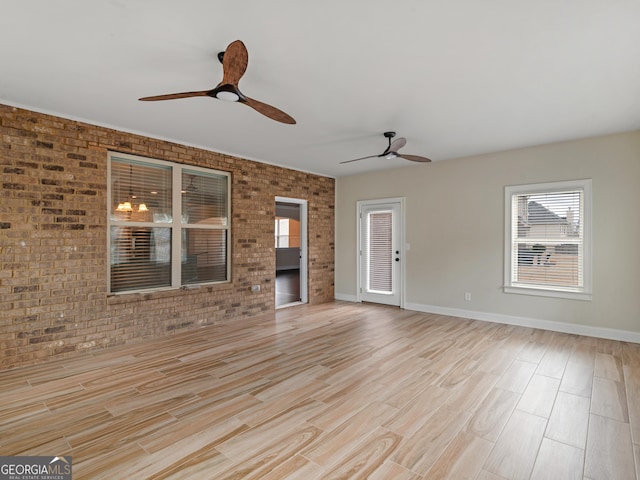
(339, 390)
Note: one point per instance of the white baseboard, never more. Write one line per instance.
(573, 328)
(586, 330)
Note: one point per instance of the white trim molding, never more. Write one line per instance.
(563, 327)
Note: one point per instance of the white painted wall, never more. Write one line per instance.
(455, 216)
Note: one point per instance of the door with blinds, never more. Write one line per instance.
(381, 256)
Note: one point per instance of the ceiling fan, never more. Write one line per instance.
(234, 63)
(392, 151)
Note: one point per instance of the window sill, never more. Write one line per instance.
(163, 292)
(540, 292)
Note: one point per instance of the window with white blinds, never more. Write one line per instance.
(379, 254)
(168, 224)
(548, 239)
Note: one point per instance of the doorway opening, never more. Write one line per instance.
(291, 251)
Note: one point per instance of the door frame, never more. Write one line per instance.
(304, 287)
(401, 242)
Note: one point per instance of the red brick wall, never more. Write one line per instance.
(53, 243)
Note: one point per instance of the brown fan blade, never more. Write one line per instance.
(414, 158)
(234, 63)
(361, 158)
(269, 111)
(172, 96)
(396, 145)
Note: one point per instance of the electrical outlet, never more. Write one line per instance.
(255, 288)
(467, 296)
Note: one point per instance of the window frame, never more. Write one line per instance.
(176, 225)
(576, 293)
(278, 229)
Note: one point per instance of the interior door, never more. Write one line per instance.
(381, 252)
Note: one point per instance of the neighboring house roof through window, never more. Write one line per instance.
(538, 214)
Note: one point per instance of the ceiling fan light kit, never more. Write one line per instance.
(234, 63)
(391, 151)
(227, 96)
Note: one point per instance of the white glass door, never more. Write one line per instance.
(380, 252)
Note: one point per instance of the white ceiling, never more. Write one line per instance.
(456, 78)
